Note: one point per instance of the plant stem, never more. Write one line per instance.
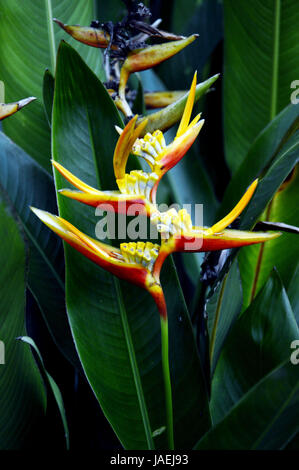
(167, 381)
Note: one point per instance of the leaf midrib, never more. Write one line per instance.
(51, 35)
(275, 64)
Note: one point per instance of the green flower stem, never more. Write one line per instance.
(167, 381)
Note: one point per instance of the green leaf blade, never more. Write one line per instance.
(23, 399)
(26, 50)
(259, 70)
(259, 341)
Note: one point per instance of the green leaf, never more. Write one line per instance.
(25, 183)
(271, 181)
(203, 17)
(258, 343)
(23, 399)
(261, 43)
(257, 261)
(48, 94)
(28, 42)
(113, 10)
(222, 309)
(280, 168)
(53, 386)
(139, 104)
(261, 155)
(271, 405)
(116, 325)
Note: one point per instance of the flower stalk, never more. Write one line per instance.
(167, 381)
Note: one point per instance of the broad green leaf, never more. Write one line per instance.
(139, 104)
(28, 42)
(257, 261)
(271, 405)
(258, 343)
(203, 17)
(274, 176)
(261, 155)
(271, 181)
(23, 399)
(261, 44)
(48, 94)
(53, 386)
(115, 325)
(113, 10)
(25, 183)
(222, 309)
(293, 444)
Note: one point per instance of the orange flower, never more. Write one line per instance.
(178, 234)
(162, 157)
(133, 262)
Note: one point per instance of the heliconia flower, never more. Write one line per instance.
(162, 157)
(148, 57)
(8, 109)
(87, 35)
(133, 262)
(178, 234)
(134, 188)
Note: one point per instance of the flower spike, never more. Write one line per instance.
(133, 262)
(8, 109)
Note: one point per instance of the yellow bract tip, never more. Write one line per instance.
(73, 179)
(124, 145)
(188, 108)
(229, 218)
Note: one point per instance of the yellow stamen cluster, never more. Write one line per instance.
(150, 147)
(137, 182)
(140, 253)
(172, 221)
